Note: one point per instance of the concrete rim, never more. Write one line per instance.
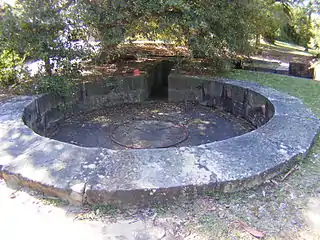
(143, 176)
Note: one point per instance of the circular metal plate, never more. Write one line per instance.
(149, 134)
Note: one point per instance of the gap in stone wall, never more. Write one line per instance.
(158, 79)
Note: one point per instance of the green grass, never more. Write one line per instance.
(308, 91)
(288, 47)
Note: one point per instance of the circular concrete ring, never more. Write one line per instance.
(285, 132)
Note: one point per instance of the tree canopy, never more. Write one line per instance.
(58, 31)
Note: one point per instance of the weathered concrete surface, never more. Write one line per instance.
(286, 130)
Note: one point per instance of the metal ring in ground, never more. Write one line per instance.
(142, 134)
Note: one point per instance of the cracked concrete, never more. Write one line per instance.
(145, 176)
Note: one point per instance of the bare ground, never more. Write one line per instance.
(287, 207)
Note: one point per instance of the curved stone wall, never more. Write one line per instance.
(44, 112)
(143, 176)
(239, 101)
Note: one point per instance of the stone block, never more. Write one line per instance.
(238, 94)
(40, 125)
(176, 95)
(134, 82)
(255, 99)
(48, 101)
(134, 97)
(142, 176)
(238, 109)
(216, 89)
(205, 98)
(227, 92)
(54, 115)
(102, 87)
(280, 130)
(269, 110)
(144, 95)
(194, 83)
(44, 103)
(30, 114)
(256, 115)
(300, 70)
(176, 82)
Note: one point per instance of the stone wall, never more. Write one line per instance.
(47, 110)
(239, 101)
(300, 70)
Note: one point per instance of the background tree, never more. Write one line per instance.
(210, 29)
(57, 31)
(42, 30)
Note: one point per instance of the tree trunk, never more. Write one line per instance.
(257, 40)
(47, 66)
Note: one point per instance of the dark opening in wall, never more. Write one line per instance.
(158, 79)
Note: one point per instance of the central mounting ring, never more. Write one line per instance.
(141, 134)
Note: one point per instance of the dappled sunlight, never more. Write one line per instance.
(38, 218)
(311, 214)
(290, 46)
(282, 52)
(285, 46)
(301, 53)
(286, 52)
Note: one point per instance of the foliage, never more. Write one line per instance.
(57, 85)
(315, 40)
(209, 28)
(10, 67)
(299, 29)
(269, 18)
(286, 20)
(45, 30)
(57, 31)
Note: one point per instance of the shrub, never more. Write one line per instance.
(57, 85)
(10, 67)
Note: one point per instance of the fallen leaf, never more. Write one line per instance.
(12, 195)
(251, 230)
